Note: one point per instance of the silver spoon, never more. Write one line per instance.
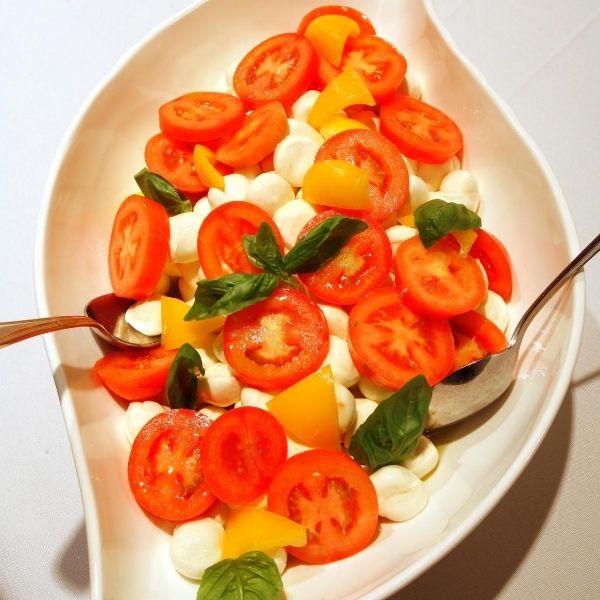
(106, 314)
(478, 384)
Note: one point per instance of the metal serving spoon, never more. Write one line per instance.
(478, 384)
(106, 314)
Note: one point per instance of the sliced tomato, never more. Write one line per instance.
(421, 131)
(139, 247)
(220, 239)
(438, 281)
(280, 68)
(325, 73)
(174, 161)
(164, 468)
(363, 113)
(382, 66)
(475, 336)
(363, 264)
(275, 343)
(241, 452)
(492, 254)
(345, 11)
(330, 494)
(135, 374)
(257, 137)
(388, 176)
(200, 117)
(391, 344)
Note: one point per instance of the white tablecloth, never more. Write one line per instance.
(541, 56)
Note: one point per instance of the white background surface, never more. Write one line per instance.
(539, 55)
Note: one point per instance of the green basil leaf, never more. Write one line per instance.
(262, 250)
(437, 218)
(157, 188)
(230, 293)
(321, 244)
(393, 430)
(182, 380)
(252, 575)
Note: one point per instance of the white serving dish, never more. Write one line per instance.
(93, 172)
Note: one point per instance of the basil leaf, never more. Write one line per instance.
(182, 380)
(230, 293)
(393, 430)
(157, 188)
(252, 575)
(321, 244)
(437, 218)
(262, 250)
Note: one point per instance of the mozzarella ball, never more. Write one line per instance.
(163, 285)
(187, 290)
(461, 181)
(303, 129)
(372, 391)
(252, 397)
(342, 366)
(295, 447)
(423, 459)
(269, 191)
(495, 309)
(411, 165)
(212, 412)
(293, 156)
(291, 218)
(401, 495)
(364, 408)
(218, 348)
(145, 316)
(302, 107)
(432, 174)
(219, 386)
(183, 237)
(337, 320)
(138, 414)
(279, 555)
(235, 189)
(171, 269)
(299, 194)
(418, 192)
(195, 546)
(207, 357)
(398, 234)
(346, 407)
(202, 207)
(457, 198)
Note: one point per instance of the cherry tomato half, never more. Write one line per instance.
(345, 11)
(275, 343)
(330, 494)
(139, 247)
(241, 452)
(495, 260)
(164, 468)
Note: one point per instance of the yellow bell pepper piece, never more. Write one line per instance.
(204, 163)
(346, 89)
(338, 123)
(466, 238)
(337, 183)
(328, 35)
(177, 332)
(407, 220)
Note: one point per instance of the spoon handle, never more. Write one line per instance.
(16, 331)
(571, 269)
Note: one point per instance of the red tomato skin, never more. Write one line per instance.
(241, 452)
(358, 17)
(299, 328)
(494, 257)
(174, 494)
(325, 73)
(329, 487)
(136, 273)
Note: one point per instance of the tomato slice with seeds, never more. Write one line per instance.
(388, 176)
(492, 254)
(330, 494)
(220, 239)
(421, 131)
(390, 344)
(363, 264)
(279, 68)
(164, 469)
(276, 342)
(241, 452)
(345, 11)
(438, 281)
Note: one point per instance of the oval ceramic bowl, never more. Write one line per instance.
(93, 173)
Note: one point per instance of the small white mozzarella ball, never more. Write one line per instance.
(252, 397)
(346, 407)
(269, 191)
(187, 291)
(293, 156)
(217, 348)
(457, 198)
(219, 386)
(495, 309)
(251, 172)
(202, 207)
(411, 165)
(299, 194)
(461, 181)
(372, 391)
(212, 412)
(337, 320)
(343, 368)
(295, 447)
(183, 237)
(401, 495)
(364, 408)
(411, 86)
(279, 555)
(291, 218)
(418, 192)
(163, 285)
(208, 358)
(423, 459)
(229, 73)
(432, 174)
(235, 189)
(144, 316)
(195, 546)
(171, 269)
(302, 107)
(398, 234)
(138, 414)
(303, 129)
(484, 273)
(191, 272)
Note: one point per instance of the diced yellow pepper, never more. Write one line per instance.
(347, 89)
(337, 183)
(204, 163)
(328, 35)
(308, 410)
(250, 528)
(176, 331)
(408, 220)
(466, 238)
(338, 123)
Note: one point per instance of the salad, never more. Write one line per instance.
(308, 248)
